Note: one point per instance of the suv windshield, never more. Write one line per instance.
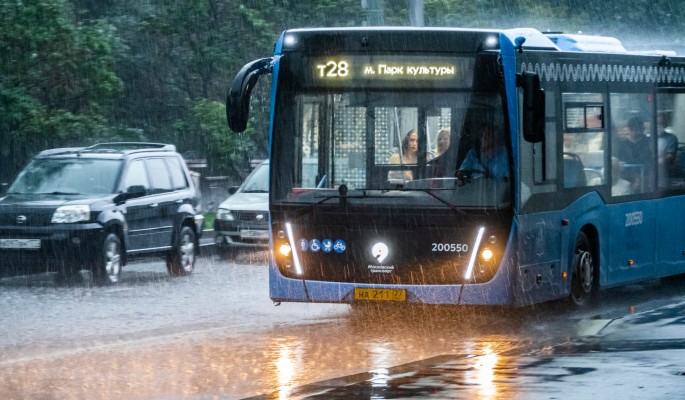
(67, 176)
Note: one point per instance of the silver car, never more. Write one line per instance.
(242, 220)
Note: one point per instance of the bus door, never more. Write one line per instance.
(670, 229)
(633, 212)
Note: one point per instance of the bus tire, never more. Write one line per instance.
(583, 272)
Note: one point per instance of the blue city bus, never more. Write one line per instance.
(586, 192)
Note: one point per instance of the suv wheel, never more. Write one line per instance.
(181, 260)
(107, 269)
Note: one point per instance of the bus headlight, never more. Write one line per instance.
(486, 255)
(285, 249)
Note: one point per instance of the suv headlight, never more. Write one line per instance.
(224, 214)
(69, 214)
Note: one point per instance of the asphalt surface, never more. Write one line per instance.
(639, 356)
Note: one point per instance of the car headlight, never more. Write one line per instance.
(69, 214)
(225, 215)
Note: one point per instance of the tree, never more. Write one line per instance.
(54, 77)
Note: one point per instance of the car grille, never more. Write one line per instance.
(251, 216)
(32, 219)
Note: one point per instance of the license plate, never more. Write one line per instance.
(25, 244)
(380, 294)
(254, 234)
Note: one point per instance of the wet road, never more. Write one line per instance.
(216, 334)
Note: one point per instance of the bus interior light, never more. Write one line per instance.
(291, 240)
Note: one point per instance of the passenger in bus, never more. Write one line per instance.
(667, 146)
(491, 158)
(619, 186)
(635, 150)
(410, 149)
(443, 141)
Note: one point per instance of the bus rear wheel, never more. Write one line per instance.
(583, 284)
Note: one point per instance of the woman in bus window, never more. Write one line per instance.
(443, 141)
(410, 149)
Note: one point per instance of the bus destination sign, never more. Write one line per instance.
(392, 71)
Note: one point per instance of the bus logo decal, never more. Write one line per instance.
(380, 251)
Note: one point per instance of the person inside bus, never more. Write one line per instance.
(634, 149)
(619, 186)
(491, 158)
(667, 146)
(443, 141)
(410, 149)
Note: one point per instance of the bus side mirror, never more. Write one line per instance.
(238, 98)
(533, 107)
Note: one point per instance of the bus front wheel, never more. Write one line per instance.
(583, 285)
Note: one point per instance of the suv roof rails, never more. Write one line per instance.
(111, 148)
(61, 150)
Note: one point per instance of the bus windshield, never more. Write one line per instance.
(431, 147)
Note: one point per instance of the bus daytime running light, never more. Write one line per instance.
(293, 247)
(476, 246)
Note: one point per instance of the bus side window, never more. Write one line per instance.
(584, 139)
(670, 132)
(630, 143)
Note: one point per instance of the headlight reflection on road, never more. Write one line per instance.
(484, 373)
(288, 358)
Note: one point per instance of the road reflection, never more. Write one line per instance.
(232, 343)
(485, 374)
(288, 357)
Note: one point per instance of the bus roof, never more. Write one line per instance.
(596, 44)
(383, 38)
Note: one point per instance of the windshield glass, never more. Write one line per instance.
(425, 147)
(257, 181)
(67, 176)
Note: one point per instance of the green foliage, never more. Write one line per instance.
(73, 72)
(226, 150)
(55, 75)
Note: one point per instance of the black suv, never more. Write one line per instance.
(96, 207)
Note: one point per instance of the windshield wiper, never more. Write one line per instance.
(341, 196)
(436, 197)
(57, 193)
